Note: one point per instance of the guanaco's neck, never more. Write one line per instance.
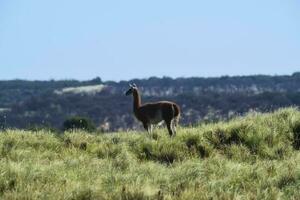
(136, 100)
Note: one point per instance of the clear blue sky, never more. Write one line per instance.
(117, 40)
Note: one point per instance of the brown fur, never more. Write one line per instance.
(153, 113)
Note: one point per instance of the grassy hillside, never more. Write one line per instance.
(252, 157)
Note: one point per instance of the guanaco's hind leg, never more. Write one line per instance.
(148, 127)
(168, 123)
(173, 126)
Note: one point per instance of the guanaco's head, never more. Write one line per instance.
(131, 89)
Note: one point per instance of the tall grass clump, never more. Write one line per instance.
(251, 157)
(270, 136)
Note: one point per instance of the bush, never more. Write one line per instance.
(82, 123)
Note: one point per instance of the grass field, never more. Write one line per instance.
(251, 157)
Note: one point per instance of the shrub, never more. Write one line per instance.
(83, 123)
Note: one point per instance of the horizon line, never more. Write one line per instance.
(145, 78)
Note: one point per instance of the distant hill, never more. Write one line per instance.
(25, 104)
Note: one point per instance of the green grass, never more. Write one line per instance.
(251, 157)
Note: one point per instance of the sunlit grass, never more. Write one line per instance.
(251, 157)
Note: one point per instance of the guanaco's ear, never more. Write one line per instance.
(134, 85)
(130, 85)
